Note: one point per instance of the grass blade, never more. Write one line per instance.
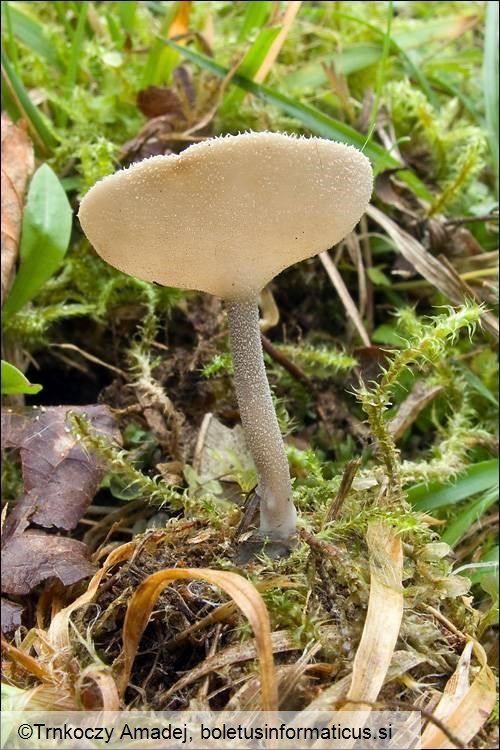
(380, 76)
(398, 47)
(251, 63)
(127, 10)
(469, 515)
(256, 15)
(160, 60)
(41, 131)
(285, 25)
(76, 55)
(30, 33)
(463, 709)
(477, 478)
(11, 42)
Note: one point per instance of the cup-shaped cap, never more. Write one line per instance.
(228, 214)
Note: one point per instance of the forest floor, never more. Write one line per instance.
(125, 473)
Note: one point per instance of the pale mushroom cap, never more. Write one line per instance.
(228, 214)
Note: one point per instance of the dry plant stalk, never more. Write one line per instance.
(463, 708)
(246, 597)
(383, 618)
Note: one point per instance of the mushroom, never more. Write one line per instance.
(226, 216)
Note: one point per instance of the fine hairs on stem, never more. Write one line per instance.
(262, 432)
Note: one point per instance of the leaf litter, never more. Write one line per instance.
(60, 480)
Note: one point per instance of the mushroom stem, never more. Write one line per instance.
(262, 432)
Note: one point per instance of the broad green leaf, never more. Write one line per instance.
(45, 235)
(13, 381)
(476, 478)
(354, 58)
(473, 511)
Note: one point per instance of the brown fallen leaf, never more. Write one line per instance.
(18, 164)
(159, 100)
(11, 615)
(32, 557)
(180, 21)
(420, 396)
(60, 477)
(60, 480)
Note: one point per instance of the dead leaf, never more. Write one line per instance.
(282, 641)
(220, 451)
(463, 708)
(176, 112)
(436, 273)
(60, 480)
(11, 615)
(60, 477)
(401, 663)
(159, 100)
(383, 618)
(32, 557)
(97, 690)
(18, 164)
(420, 396)
(394, 193)
(180, 22)
(269, 309)
(58, 634)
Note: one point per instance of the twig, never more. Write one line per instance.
(444, 621)
(345, 485)
(287, 364)
(91, 358)
(470, 219)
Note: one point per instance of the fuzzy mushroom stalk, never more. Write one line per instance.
(190, 220)
(258, 417)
